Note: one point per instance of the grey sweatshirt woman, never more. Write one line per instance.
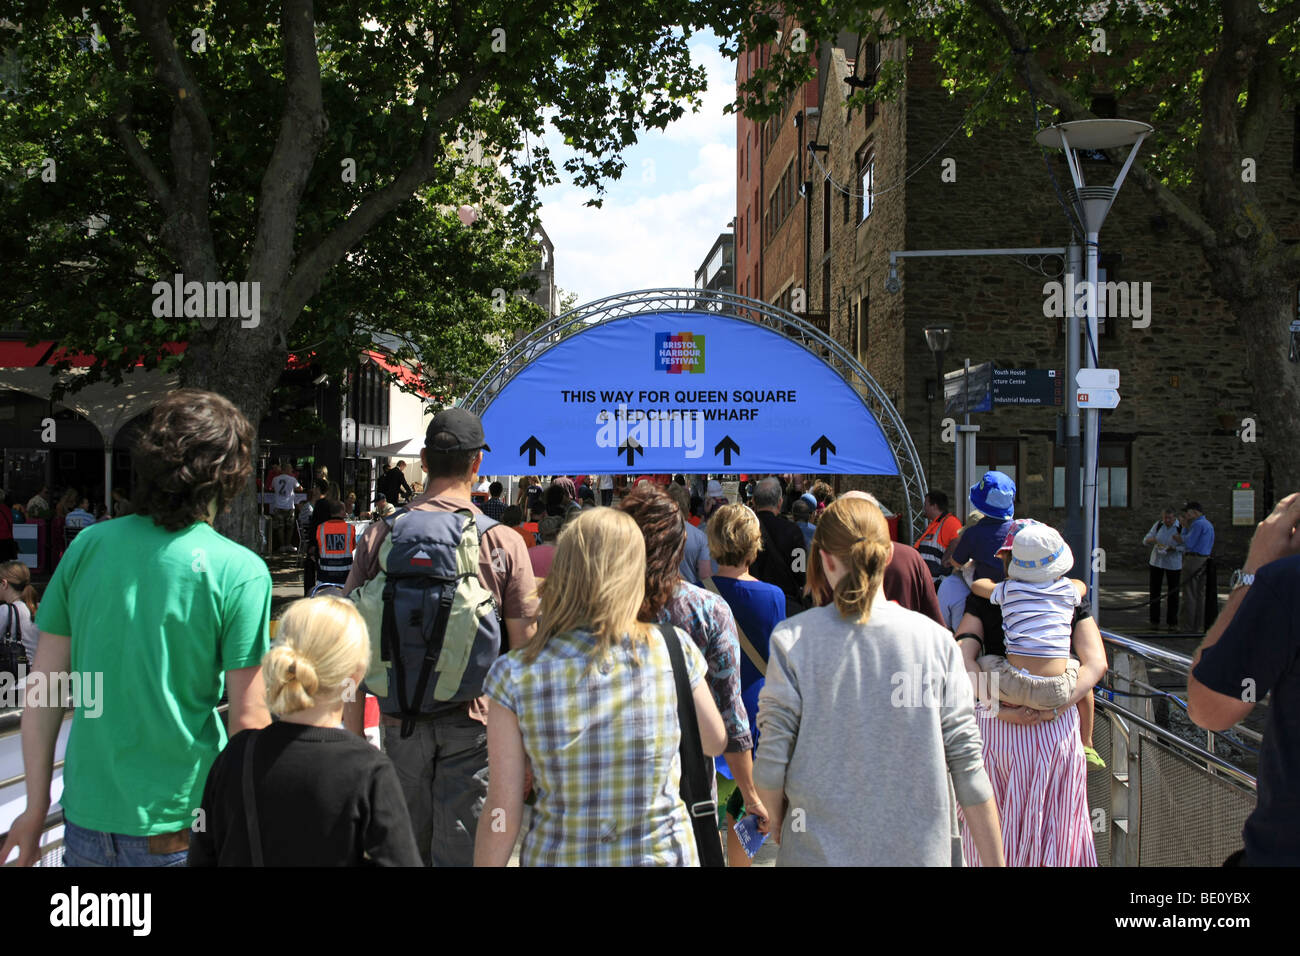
(860, 725)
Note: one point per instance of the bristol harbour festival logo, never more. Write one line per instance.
(677, 352)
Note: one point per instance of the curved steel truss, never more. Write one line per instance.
(786, 324)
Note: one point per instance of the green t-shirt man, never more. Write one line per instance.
(161, 615)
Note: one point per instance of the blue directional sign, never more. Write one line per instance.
(681, 393)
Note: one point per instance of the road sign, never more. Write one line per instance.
(980, 390)
(1028, 386)
(1098, 398)
(1097, 378)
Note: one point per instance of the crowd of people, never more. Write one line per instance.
(871, 702)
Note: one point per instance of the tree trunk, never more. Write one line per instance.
(1264, 323)
(244, 365)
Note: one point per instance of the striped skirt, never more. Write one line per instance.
(1040, 785)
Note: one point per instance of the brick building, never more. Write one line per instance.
(872, 192)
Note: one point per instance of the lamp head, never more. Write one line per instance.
(892, 285)
(938, 337)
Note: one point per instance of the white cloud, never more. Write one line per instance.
(653, 235)
(649, 242)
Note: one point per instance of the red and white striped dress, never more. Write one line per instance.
(1040, 785)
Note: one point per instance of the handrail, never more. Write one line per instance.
(52, 819)
(1178, 742)
(1151, 652)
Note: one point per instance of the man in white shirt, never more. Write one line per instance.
(283, 488)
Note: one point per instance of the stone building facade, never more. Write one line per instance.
(1177, 433)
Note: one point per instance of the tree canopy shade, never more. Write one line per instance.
(1224, 79)
(317, 150)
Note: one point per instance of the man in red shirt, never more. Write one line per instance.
(942, 531)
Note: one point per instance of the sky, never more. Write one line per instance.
(659, 221)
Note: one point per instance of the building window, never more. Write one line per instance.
(999, 454)
(866, 181)
(870, 69)
(847, 206)
(864, 326)
(1113, 476)
(826, 215)
(1295, 143)
(853, 328)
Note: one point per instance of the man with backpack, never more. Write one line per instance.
(427, 669)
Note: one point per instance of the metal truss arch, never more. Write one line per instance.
(787, 324)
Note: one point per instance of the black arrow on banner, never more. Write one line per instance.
(727, 447)
(631, 446)
(822, 445)
(532, 446)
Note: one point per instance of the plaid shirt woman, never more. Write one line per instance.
(590, 703)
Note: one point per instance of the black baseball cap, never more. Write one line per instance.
(1192, 506)
(455, 429)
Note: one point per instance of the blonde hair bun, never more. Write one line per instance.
(322, 643)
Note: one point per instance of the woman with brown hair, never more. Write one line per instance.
(866, 712)
(704, 615)
(590, 706)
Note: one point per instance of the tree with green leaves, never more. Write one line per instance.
(1225, 77)
(319, 152)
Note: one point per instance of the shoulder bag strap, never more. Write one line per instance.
(696, 791)
(250, 803)
(11, 617)
(746, 644)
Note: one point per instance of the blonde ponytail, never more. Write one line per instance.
(322, 643)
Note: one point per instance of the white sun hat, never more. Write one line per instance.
(1039, 553)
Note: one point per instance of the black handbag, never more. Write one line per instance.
(13, 656)
(697, 789)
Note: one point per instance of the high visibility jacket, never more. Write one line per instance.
(935, 541)
(336, 541)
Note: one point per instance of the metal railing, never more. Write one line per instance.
(52, 852)
(1163, 799)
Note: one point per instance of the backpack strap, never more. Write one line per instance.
(250, 802)
(426, 665)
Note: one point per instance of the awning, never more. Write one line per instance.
(42, 354)
(406, 375)
(410, 448)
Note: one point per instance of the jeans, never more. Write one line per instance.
(83, 847)
(1158, 577)
(443, 769)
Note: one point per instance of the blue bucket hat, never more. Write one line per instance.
(994, 495)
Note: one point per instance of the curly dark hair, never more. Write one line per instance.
(196, 448)
(664, 530)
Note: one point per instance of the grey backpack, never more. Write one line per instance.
(436, 624)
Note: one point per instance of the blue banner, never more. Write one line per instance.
(684, 393)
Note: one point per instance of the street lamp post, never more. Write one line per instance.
(937, 339)
(1091, 204)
